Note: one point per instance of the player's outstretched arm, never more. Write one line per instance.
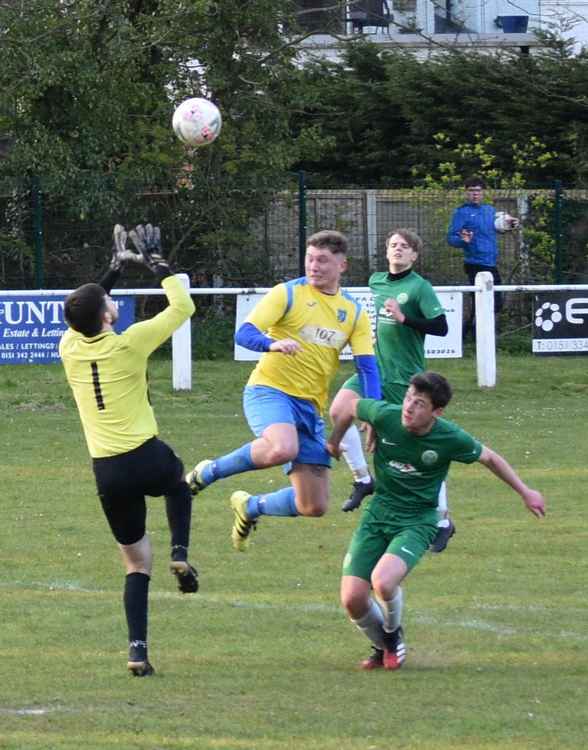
(147, 335)
(498, 465)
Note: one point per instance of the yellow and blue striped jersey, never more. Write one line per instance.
(322, 324)
(108, 376)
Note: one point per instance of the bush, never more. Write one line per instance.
(212, 335)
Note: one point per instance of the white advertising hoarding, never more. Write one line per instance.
(436, 347)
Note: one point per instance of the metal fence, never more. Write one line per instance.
(227, 238)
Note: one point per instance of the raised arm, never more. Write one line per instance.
(149, 334)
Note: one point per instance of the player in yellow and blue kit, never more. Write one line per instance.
(301, 326)
(107, 373)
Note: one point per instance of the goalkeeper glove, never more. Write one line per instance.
(147, 240)
(120, 252)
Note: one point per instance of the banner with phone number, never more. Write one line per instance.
(31, 327)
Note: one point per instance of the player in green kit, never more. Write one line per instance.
(414, 447)
(407, 309)
(107, 373)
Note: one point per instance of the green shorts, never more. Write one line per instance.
(380, 532)
(393, 393)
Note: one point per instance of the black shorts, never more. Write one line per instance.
(123, 481)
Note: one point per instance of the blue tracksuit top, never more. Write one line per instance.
(479, 219)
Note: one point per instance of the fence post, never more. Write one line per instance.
(485, 331)
(301, 222)
(37, 201)
(182, 349)
(557, 231)
(523, 213)
(371, 211)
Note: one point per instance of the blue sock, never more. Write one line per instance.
(279, 503)
(237, 462)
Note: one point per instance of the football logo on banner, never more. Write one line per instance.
(560, 323)
(547, 316)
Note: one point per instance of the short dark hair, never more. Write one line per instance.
(84, 307)
(435, 386)
(412, 238)
(475, 181)
(335, 241)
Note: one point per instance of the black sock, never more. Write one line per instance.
(135, 601)
(178, 506)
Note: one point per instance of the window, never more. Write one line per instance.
(321, 16)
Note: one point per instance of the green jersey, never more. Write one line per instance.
(410, 468)
(108, 376)
(400, 349)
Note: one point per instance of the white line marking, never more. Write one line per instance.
(28, 711)
(436, 621)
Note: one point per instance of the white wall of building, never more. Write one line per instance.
(568, 18)
(472, 23)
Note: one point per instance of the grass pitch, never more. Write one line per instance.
(263, 657)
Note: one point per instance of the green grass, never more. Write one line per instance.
(263, 657)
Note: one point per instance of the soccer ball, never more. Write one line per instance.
(197, 122)
(504, 222)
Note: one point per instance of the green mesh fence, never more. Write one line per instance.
(234, 234)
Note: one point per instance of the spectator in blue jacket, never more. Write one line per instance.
(473, 230)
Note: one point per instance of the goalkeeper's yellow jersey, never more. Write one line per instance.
(322, 323)
(108, 376)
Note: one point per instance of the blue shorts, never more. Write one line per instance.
(264, 406)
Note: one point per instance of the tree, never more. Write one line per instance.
(356, 130)
(93, 86)
(380, 110)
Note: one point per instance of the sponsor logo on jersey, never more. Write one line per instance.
(408, 551)
(402, 298)
(404, 468)
(386, 317)
(341, 315)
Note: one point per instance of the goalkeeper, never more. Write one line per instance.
(107, 373)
